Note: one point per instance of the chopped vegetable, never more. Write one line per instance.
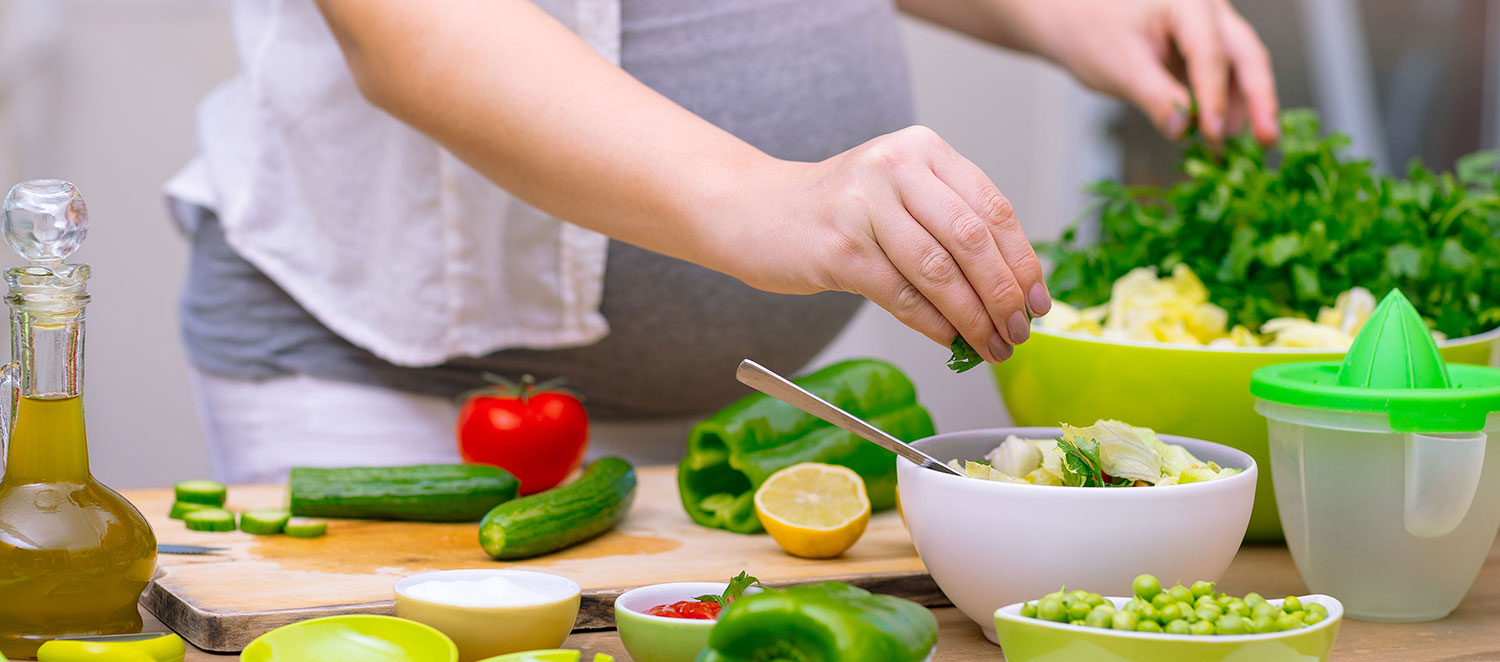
(1105, 454)
(208, 492)
(264, 522)
(735, 589)
(301, 527)
(827, 622)
(1199, 611)
(209, 519)
(181, 508)
(707, 607)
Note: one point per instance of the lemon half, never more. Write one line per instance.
(814, 510)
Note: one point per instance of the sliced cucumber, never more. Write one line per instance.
(209, 519)
(264, 522)
(301, 527)
(180, 508)
(208, 492)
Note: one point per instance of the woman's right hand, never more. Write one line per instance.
(906, 222)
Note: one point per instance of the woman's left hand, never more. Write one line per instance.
(1151, 52)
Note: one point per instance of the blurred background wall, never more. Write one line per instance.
(103, 92)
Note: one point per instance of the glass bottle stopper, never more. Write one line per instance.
(45, 220)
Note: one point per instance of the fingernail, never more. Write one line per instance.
(1020, 329)
(1039, 300)
(999, 348)
(1177, 124)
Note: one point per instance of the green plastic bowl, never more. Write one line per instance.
(365, 638)
(1198, 392)
(1034, 640)
(553, 655)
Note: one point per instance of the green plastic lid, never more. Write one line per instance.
(1393, 368)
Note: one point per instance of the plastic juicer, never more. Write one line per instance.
(1388, 490)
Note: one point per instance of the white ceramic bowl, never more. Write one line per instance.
(990, 544)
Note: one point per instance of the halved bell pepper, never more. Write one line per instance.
(827, 622)
(733, 452)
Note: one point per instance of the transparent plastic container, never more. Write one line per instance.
(1395, 525)
(1388, 487)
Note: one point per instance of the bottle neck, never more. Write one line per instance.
(47, 442)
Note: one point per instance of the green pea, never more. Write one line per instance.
(1206, 601)
(1135, 604)
(1181, 593)
(1172, 612)
(1078, 609)
(1028, 610)
(1179, 627)
(1262, 624)
(1225, 600)
(1076, 621)
(1291, 604)
(1209, 613)
(1125, 620)
(1315, 608)
(1149, 613)
(1146, 587)
(1231, 624)
(1079, 594)
(1059, 593)
(1252, 599)
(1201, 588)
(1099, 617)
(1310, 618)
(1237, 608)
(1148, 626)
(1202, 627)
(1161, 600)
(1286, 622)
(1052, 609)
(1094, 600)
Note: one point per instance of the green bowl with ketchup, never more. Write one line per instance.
(651, 638)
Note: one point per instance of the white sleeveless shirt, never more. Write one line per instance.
(413, 255)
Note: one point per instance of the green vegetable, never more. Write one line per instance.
(264, 522)
(1179, 627)
(734, 451)
(1176, 610)
(733, 591)
(1281, 232)
(964, 357)
(827, 622)
(209, 519)
(298, 527)
(424, 492)
(1125, 620)
(181, 508)
(208, 492)
(563, 516)
(1146, 587)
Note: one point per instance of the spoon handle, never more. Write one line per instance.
(760, 378)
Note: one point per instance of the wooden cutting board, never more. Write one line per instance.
(222, 602)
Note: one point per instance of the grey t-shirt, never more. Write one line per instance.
(799, 79)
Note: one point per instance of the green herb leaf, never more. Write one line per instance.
(733, 591)
(964, 357)
(1081, 464)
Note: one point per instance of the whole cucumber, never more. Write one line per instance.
(424, 492)
(561, 517)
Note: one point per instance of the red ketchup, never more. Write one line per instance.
(701, 610)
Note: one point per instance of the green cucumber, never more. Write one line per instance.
(561, 517)
(298, 527)
(180, 508)
(264, 522)
(208, 492)
(209, 519)
(424, 492)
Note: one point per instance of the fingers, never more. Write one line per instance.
(881, 282)
(1252, 72)
(994, 210)
(1195, 29)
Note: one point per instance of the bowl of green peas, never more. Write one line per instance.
(1168, 624)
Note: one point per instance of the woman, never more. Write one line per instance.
(374, 208)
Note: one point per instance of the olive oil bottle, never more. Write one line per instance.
(74, 555)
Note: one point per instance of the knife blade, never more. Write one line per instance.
(188, 549)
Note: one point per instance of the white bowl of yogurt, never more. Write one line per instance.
(489, 612)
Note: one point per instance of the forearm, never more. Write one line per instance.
(1018, 25)
(527, 103)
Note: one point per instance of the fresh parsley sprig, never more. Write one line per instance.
(733, 591)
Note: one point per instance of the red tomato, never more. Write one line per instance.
(535, 433)
(689, 609)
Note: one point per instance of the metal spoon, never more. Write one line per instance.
(756, 376)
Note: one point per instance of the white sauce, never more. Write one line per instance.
(489, 592)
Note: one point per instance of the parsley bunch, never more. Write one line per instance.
(1281, 232)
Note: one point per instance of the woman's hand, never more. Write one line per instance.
(907, 222)
(1151, 52)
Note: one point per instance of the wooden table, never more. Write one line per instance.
(1470, 634)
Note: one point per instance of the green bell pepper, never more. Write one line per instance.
(827, 622)
(733, 452)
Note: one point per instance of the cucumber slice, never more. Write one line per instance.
(180, 508)
(264, 522)
(209, 519)
(301, 527)
(202, 491)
